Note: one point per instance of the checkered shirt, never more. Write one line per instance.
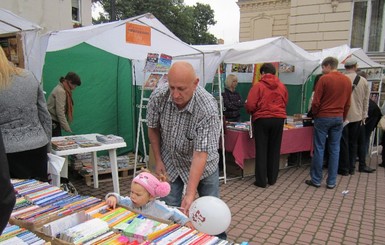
(194, 128)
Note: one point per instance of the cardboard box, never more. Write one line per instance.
(249, 165)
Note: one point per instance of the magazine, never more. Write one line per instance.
(151, 62)
(163, 80)
(164, 63)
(152, 81)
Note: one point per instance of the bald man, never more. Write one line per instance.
(183, 128)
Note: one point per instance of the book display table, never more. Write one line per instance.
(243, 147)
(46, 214)
(111, 148)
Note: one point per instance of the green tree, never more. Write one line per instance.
(189, 23)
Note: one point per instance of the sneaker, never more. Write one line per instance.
(330, 186)
(366, 169)
(343, 173)
(309, 182)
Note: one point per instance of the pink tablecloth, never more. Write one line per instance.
(293, 140)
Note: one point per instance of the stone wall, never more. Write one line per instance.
(311, 24)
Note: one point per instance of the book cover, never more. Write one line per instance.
(163, 80)
(151, 62)
(164, 63)
(152, 81)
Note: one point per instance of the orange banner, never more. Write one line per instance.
(138, 34)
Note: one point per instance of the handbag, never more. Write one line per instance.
(382, 123)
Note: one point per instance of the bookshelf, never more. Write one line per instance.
(375, 79)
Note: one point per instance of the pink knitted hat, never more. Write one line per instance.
(155, 187)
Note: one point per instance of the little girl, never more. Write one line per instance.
(145, 188)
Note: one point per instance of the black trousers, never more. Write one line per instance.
(31, 164)
(343, 162)
(348, 155)
(7, 193)
(268, 138)
(56, 129)
(362, 147)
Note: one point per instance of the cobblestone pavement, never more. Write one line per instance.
(291, 212)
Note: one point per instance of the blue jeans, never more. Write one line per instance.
(206, 187)
(330, 127)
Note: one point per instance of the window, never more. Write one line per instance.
(368, 27)
(76, 10)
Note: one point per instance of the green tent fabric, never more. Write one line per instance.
(294, 104)
(104, 103)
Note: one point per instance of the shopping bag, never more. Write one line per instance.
(55, 164)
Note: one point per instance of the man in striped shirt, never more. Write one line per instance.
(183, 128)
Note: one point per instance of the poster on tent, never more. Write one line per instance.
(244, 72)
(257, 74)
(286, 68)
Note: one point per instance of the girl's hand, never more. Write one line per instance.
(190, 225)
(111, 201)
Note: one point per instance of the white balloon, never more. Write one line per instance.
(210, 215)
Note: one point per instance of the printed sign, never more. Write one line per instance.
(138, 34)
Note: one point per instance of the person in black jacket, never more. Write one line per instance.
(7, 193)
(374, 116)
(232, 100)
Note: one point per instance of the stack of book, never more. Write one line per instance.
(109, 139)
(83, 142)
(77, 161)
(15, 235)
(139, 228)
(39, 201)
(84, 231)
(242, 126)
(62, 145)
(295, 121)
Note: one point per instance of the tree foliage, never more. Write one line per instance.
(189, 23)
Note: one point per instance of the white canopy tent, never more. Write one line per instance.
(343, 52)
(29, 32)
(111, 37)
(276, 49)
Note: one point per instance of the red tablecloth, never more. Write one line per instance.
(242, 147)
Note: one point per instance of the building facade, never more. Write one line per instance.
(52, 15)
(316, 24)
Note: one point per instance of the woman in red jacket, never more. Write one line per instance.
(266, 102)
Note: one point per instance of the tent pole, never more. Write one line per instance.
(222, 123)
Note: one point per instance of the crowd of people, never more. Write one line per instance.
(344, 118)
(184, 132)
